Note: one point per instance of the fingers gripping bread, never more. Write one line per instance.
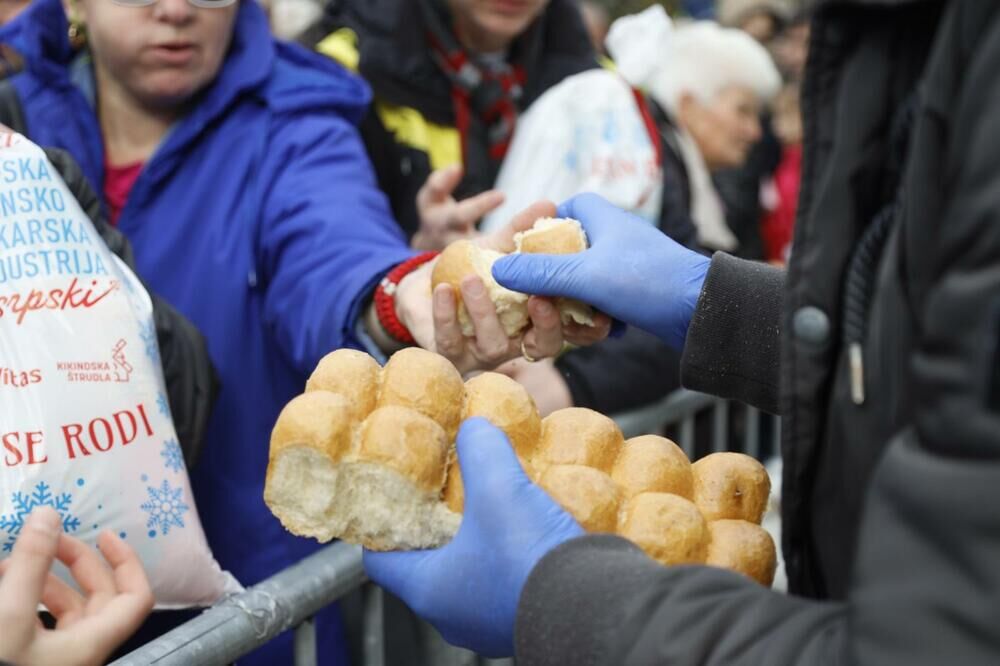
(464, 258)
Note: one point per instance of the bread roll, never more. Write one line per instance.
(507, 405)
(558, 236)
(408, 442)
(552, 236)
(426, 382)
(464, 258)
(351, 374)
(579, 436)
(731, 486)
(589, 495)
(313, 434)
(389, 493)
(669, 528)
(376, 478)
(743, 547)
(653, 464)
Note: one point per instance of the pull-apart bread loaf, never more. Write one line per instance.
(367, 455)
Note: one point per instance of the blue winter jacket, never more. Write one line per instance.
(260, 219)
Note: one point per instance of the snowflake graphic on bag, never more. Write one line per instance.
(173, 457)
(83, 401)
(24, 504)
(165, 507)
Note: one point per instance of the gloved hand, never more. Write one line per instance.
(632, 271)
(469, 588)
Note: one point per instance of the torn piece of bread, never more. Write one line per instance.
(336, 471)
(464, 258)
(558, 236)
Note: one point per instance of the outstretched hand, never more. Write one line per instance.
(444, 219)
(469, 589)
(115, 596)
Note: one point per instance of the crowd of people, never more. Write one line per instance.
(264, 190)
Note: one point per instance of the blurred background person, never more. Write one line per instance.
(790, 47)
(781, 194)
(233, 164)
(705, 88)
(741, 187)
(761, 19)
(597, 20)
(450, 78)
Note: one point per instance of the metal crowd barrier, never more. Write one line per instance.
(681, 408)
(290, 598)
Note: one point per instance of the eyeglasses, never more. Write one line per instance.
(201, 4)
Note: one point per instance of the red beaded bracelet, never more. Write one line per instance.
(385, 297)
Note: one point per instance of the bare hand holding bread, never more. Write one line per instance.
(464, 315)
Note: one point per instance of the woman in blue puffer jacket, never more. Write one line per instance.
(233, 165)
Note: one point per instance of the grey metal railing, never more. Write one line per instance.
(244, 622)
(681, 408)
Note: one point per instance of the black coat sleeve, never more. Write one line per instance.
(192, 383)
(733, 344)
(926, 586)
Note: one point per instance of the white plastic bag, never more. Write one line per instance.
(84, 422)
(586, 134)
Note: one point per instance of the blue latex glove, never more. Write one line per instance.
(469, 588)
(632, 271)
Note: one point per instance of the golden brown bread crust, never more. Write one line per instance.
(558, 236)
(454, 264)
(507, 405)
(552, 236)
(426, 382)
(731, 485)
(743, 547)
(407, 442)
(651, 463)
(669, 528)
(318, 420)
(588, 494)
(454, 489)
(579, 436)
(350, 373)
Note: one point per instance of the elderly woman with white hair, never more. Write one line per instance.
(703, 87)
(706, 86)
